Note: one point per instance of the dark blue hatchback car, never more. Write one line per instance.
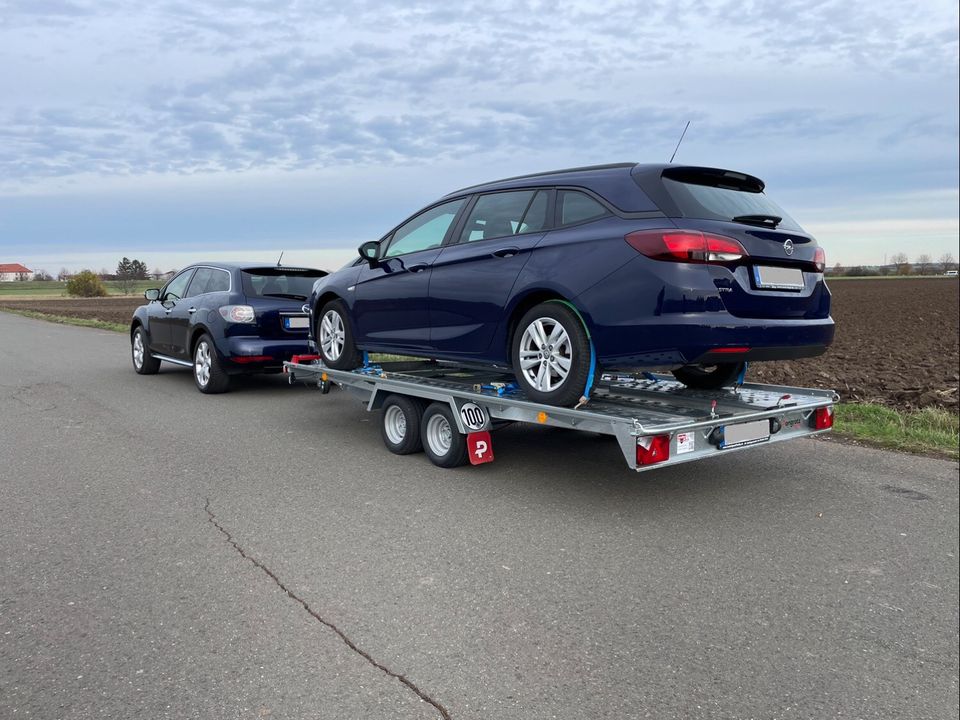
(551, 275)
(223, 319)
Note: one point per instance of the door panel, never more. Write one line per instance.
(161, 321)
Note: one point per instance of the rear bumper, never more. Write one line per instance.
(252, 354)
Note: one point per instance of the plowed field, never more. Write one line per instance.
(897, 342)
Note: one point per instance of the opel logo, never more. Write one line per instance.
(788, 246)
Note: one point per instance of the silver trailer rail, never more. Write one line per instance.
(448, 411)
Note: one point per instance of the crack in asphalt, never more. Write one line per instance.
(212, 519)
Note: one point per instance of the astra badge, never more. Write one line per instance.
(788, 247)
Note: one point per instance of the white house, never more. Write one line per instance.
(12, 272)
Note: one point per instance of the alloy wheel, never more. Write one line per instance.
(202, 363)
(332, 335)
(546, 354)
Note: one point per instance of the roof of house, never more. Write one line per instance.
(14, 268)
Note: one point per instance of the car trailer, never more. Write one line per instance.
(448, 410)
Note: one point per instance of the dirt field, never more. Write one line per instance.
(897, 343)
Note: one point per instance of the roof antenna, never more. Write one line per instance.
(280, 258)
(679, 141)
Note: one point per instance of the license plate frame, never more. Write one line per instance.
(296, 322)
(743, 434)
(771, 277)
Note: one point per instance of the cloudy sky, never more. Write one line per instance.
(173, 130)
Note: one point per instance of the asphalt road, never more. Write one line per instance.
(260, 554)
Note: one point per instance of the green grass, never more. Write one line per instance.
(55, 288)
(63, 320)
(931, 430)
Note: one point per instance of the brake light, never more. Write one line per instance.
(238, 313)
(820, 259)
(823, 418)
(653, 449)
(251, 358)
(688, 246)
(730, 350)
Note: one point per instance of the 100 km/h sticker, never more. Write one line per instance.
(473, 416)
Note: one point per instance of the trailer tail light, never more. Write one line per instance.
(652, 449)
(822, 418)
(687, 246)
(820, 259)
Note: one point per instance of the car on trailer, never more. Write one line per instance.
(222, 320)
(557, 274)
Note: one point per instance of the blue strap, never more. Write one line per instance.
(366, 359)
(742, 375)
(593, 369)
(650, 376)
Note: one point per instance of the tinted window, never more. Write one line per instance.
(577, 207)
(496, 215)
(208, 280)
(425, 231)
(291, 283)
(177, 288)
(709, 202)
(535, 219)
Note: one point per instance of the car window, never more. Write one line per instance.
(577, 207)
(208, 280)
(279, 282)
(535, 218)
(177, 288)
(425, 231)
(497, 215)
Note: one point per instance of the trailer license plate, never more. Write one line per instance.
(745, 434)
(296, 323)
(778, 278)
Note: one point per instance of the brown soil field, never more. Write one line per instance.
(897, 341)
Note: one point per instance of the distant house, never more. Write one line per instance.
(11, 272)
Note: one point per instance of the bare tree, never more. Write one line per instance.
(64, 274)
(947, 262)
(901, 263)
(922, 264)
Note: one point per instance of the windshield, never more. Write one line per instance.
(709, 202)
(292, 283)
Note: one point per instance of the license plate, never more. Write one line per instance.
(745, 434)
(778, 278)
(296, 323)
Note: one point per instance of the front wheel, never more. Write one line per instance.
(208, 373)
(335, 337)
(551, 354)
(709, 377)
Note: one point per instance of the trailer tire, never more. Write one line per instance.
(442, 441)
(334, 337)
(400, 419)
(708, 377)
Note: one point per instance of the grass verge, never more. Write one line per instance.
(931, 431)
(64, 320)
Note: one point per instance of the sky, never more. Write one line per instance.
(176, 130)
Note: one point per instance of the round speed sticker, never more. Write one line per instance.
(473, 416)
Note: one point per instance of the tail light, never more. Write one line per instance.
(687, 246)
(820, 259)
(251, 358)
(822, 418)
(653, 449)
(238, 313)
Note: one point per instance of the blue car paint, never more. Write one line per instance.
(640, 312)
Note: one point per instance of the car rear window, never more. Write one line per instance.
(292, 283)
(577, 207)
(723, 196)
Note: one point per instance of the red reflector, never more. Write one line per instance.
(823, 418)
(820, 259)
(653, 449)
(730, 350)
(251, 358)
(690, 246)
(299, 359)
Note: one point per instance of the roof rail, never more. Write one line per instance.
(585, 168)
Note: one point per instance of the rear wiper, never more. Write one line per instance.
(285, 295)
(770, 221)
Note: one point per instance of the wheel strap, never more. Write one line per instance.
(585, 398)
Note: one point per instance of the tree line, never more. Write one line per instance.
(88, 283)
(900, 264)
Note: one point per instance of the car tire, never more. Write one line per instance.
(555, 347)
(442, 441)
(143, 362)
(334, 337)
(400, 419)
(208, 373)
(708, 377)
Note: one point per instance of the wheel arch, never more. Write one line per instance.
(529, 300)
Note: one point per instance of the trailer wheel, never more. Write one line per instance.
(400, 424)
(708, 377)
(442, 441)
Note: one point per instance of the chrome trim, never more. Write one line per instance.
(175, 361)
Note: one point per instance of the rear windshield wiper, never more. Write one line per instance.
(770, 221)
(290, 296)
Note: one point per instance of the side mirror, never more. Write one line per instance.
(370, 251)
(152, 294)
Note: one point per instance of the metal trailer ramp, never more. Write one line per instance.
(656, 420)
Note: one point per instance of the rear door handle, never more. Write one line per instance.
(419, 267)
(506, 252)
(192, 310)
